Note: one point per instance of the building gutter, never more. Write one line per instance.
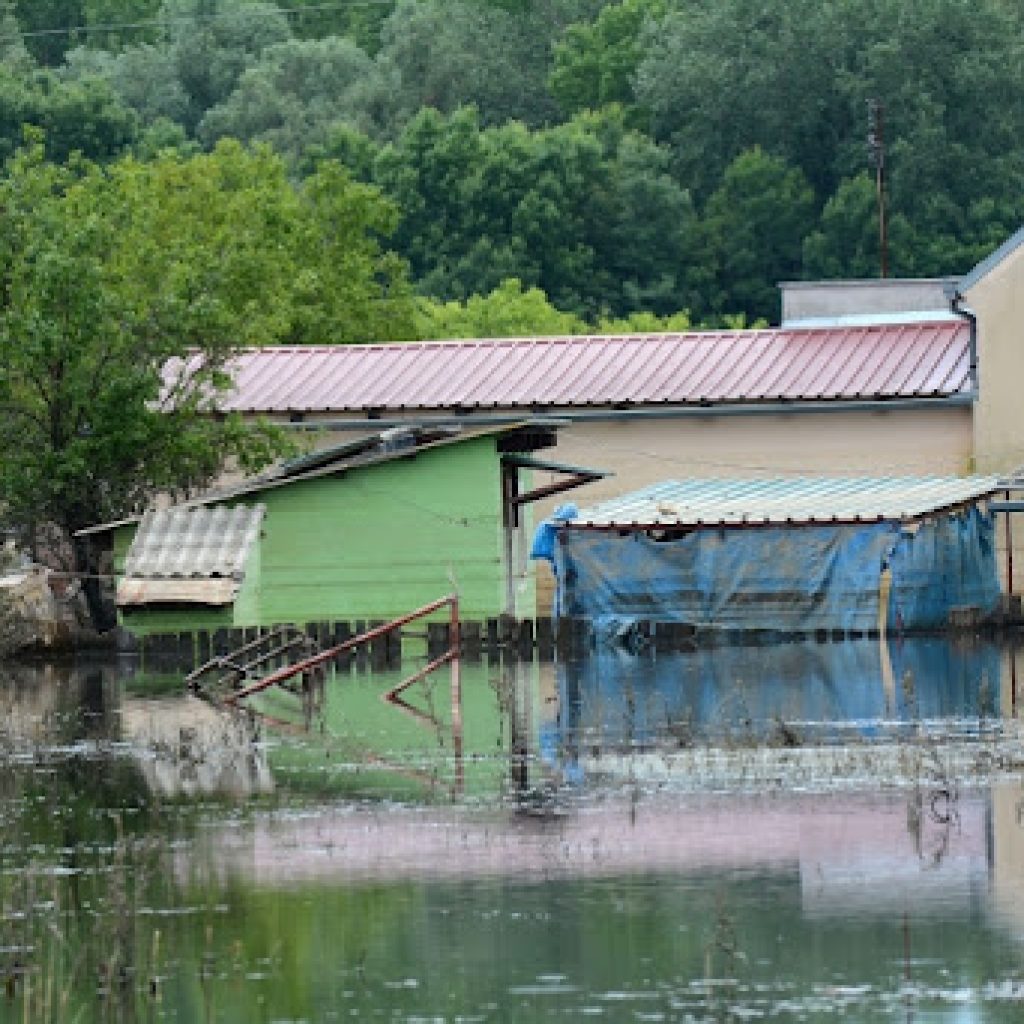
(589, 415)
(957, 308)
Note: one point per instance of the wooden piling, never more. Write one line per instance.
(545, 634)
(492, 637)
(342, 633)
(471, 636)
(438, 638)
(524, 639)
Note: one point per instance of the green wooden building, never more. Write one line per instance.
(367, 530)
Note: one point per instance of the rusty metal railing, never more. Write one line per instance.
(286, 672)
(309, 665)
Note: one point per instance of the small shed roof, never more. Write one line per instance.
(194, 554)
(929, 358)
(802, 500)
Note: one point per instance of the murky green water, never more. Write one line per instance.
(794, 833)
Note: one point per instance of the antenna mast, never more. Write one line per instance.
(876, 158)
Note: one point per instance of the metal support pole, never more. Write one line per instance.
(456, 642)
(1009, 551)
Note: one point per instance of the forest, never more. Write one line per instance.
(565, 164)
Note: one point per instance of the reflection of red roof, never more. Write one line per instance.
(926, 359)
(847, 848)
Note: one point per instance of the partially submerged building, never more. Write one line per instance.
(366, 530)
(792, 556)
(863, 378)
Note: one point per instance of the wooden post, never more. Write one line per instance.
(472, 641)
(545, 638)
(492, 637)
(524, 639)
(342, 633)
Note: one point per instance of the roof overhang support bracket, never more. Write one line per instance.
(575, 476)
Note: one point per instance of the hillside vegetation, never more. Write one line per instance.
(571, 164)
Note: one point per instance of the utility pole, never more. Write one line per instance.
(876, 158)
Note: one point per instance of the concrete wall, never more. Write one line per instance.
(998, 302)
(810, 300)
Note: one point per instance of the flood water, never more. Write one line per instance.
(798, 832)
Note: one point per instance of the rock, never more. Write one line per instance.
(41, 609)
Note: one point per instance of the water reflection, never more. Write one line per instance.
(788, 695)
(186, 748)
(163, 860)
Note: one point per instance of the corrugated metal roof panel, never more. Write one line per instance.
(717, 502)
(187, 542)
(847, 362)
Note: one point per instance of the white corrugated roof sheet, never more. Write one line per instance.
(194, 542)
(730, 502)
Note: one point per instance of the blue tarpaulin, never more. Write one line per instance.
(800, 578)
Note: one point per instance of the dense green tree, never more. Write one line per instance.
(846, 242)
(755, 223)
(586, 211)
(295, 94)
(595, 63)
(598, 212)
(448, 54)
(14, 55)
(352, 148)
(50, 27)
(508, 311)
(652, 243)
(721, 77)
(111, 24)
(144, 77)
(82, 116)
(125, 292)
(362, 23)
(951, 77)
(214, 41)
(203, 49)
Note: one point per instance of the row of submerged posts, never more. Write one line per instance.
(503, 636)
(379, 643)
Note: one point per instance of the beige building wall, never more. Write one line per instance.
(998, 303)
(642, 450)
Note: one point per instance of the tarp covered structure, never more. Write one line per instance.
(747, 557)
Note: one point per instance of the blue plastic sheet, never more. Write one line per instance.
(777, 578)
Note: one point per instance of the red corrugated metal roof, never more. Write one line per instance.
(924, 359)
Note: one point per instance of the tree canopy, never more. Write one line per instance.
(111, 275)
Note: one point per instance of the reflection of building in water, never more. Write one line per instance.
(1008, 854)
(185, 747)
(799, 693)
(846, 851)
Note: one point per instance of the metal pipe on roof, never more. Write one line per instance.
(675, 412)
